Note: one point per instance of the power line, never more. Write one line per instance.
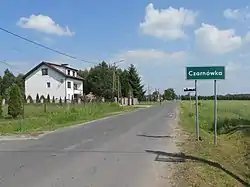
(7, 64)
(46, 47)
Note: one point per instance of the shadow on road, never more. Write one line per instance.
(154, 136)
(181, 157)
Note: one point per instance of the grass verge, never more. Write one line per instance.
(228, 163)
(56, 116)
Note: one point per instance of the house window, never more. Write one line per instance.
(48, 84)
(74, 74)
(44, 71)
(69, 84)
(75, 86)
(68, 72)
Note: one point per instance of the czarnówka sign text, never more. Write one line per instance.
(210, 72)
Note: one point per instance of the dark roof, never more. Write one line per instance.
(60, 65)
(51, 65)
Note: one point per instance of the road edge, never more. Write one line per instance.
(62, 129)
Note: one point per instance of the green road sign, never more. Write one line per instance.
(210, 72)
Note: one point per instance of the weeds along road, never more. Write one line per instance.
(105, 153)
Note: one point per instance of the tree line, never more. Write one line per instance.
(169, 94)
(99, 80)
(219, 97)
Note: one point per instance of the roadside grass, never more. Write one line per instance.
(228, 163)
(37, 120)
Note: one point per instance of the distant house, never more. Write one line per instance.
(57, 80)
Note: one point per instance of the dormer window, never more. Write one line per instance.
(74, 74)
(45, 71)
(68, 72)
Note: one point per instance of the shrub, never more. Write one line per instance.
(42, 98)
(29, 98)
(15, 101)
(65, 100)
(1, 106)
(60, 101)
(48, 98)
(37, 98)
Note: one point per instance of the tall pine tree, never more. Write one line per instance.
(135, 83)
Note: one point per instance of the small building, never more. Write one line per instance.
(57, 80)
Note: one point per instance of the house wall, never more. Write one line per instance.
(37, 83)
(71, 91)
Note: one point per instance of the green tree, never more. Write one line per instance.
(135, 83)
(84, 74)
(155, 95)
(124, 80)
(1, 85)
(15, 101)
(7, 80)
(1, 106)
(169, 94)
(19, 80)
(100, 81)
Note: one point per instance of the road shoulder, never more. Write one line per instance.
(41, 134)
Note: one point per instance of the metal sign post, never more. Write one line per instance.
(190, 100)
(196, 113)
(215, 113)
(206, 73)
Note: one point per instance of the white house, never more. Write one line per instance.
(53, 79)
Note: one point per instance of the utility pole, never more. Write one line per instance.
(113, 80)
(158, 94)
(114, 76)
(149, 93)
(118, 89)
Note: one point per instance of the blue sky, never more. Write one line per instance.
(160, 37)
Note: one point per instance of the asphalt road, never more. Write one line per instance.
(105, 153)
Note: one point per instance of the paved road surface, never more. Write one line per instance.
(106, 153)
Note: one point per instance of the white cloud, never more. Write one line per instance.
(44, 24)
(233, 66)
(232, 14)
(168, 23)
(237, 14)
(218, 41)
(151, 56)
(247, 37)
